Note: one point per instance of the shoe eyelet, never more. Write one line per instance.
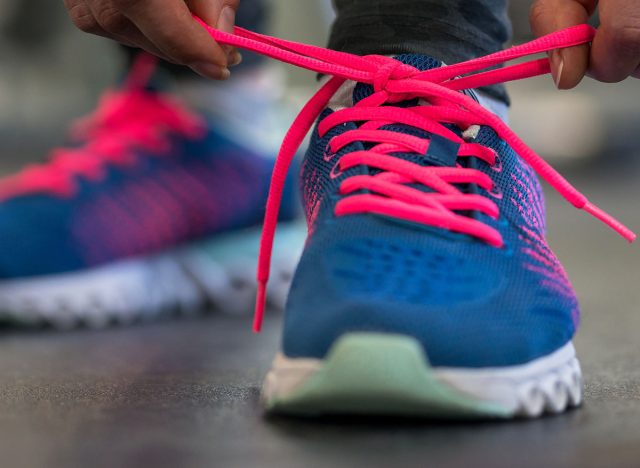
(496, 192)
(497, 166)
(327, 154)
(335, 171)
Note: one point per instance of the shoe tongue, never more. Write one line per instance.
(421, 62)
(441, 152)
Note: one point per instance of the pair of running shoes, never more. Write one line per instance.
(425, 286)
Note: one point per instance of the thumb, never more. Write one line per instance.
(220, 14)
(568, 66)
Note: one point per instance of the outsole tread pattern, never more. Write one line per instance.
(214, 274)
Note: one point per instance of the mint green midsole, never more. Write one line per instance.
(244, 243)
(380, 374)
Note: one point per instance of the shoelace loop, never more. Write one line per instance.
(394, 81)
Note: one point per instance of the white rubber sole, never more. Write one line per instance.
(389, 375)
(550, 384)
(218, 272)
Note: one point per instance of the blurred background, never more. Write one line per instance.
(51, 73)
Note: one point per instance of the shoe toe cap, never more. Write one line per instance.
(465, 311)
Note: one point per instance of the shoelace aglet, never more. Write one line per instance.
(261, 300)
(610, 221)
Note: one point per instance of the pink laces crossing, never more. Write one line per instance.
(126, 119)
(388, 191)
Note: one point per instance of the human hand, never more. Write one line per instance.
(615, 52)
(165, 28)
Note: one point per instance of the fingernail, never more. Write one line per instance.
(234, 58)
(557, 66)
(227, 20)
(211, 70)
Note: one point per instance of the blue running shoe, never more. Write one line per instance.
(461, 310)
(152, 208)
(426, 286)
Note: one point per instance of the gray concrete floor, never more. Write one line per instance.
(185, 392)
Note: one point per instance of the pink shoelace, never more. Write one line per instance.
(125, 119)
(392, 81)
